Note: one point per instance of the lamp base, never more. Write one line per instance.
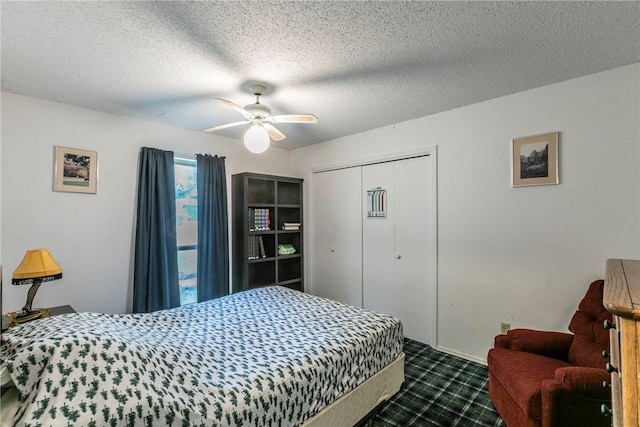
(27, 316)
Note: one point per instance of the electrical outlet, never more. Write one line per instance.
(504, 328)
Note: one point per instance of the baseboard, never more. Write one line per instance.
(462, 355)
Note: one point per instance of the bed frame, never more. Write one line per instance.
(361, 402)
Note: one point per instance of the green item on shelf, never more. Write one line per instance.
(286, 249)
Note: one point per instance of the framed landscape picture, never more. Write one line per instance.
(75, 170)
(534, 160)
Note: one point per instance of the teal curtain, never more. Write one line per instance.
(155, 275)
(213, 228)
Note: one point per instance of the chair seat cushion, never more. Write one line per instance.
(522, 374)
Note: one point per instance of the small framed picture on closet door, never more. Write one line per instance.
(376, 203)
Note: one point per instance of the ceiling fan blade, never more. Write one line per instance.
(274, 133)
(228, 125)
(295, 118)
(235, 107)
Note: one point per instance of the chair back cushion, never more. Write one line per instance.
(587, 324)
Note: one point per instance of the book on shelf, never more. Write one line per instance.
(258, 219)
(291, 226)
(263, 254)
(253, 247)
(251, 218)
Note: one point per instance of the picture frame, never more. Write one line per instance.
(376, 203)
(534, 160)
(75, 170)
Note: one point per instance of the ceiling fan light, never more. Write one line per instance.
(256, 139)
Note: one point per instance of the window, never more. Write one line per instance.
(187, 228)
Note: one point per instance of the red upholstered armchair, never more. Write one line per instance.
(554, 379)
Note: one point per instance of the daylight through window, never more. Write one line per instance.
(187, 228)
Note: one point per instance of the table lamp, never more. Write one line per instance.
(36, 267)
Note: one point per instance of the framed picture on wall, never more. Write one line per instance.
(534, 160)
(75, 170)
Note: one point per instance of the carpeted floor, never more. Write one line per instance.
(439, 390)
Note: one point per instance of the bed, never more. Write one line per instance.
(266, 357)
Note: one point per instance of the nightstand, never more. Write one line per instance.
(61, 309)
(53, 311)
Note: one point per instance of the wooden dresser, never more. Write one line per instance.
(622, 299)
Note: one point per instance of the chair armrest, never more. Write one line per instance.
(585, 382)
(545, 343)
(574, 398)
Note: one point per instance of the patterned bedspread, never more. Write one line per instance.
(266, 357)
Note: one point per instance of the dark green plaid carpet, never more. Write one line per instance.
(439, 390)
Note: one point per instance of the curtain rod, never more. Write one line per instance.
(186, 156)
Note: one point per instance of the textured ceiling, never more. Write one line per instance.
(355, 65)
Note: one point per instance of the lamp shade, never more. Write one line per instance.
(37, 266)
(256, 139)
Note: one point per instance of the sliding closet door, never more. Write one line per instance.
(416, 243)
(399, 250)
(337, 236)
(380, 292)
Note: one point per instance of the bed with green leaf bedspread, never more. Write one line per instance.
(265, 357)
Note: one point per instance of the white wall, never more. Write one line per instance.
(519, 255)
(523, 255)
(89, 235)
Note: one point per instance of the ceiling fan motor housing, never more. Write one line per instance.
(258, 110)
(257, 89)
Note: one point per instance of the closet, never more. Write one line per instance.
(337, 236)
(374, 241)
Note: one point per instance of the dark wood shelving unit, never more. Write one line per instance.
(255, 258)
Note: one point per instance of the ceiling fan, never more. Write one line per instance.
(256, 139)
